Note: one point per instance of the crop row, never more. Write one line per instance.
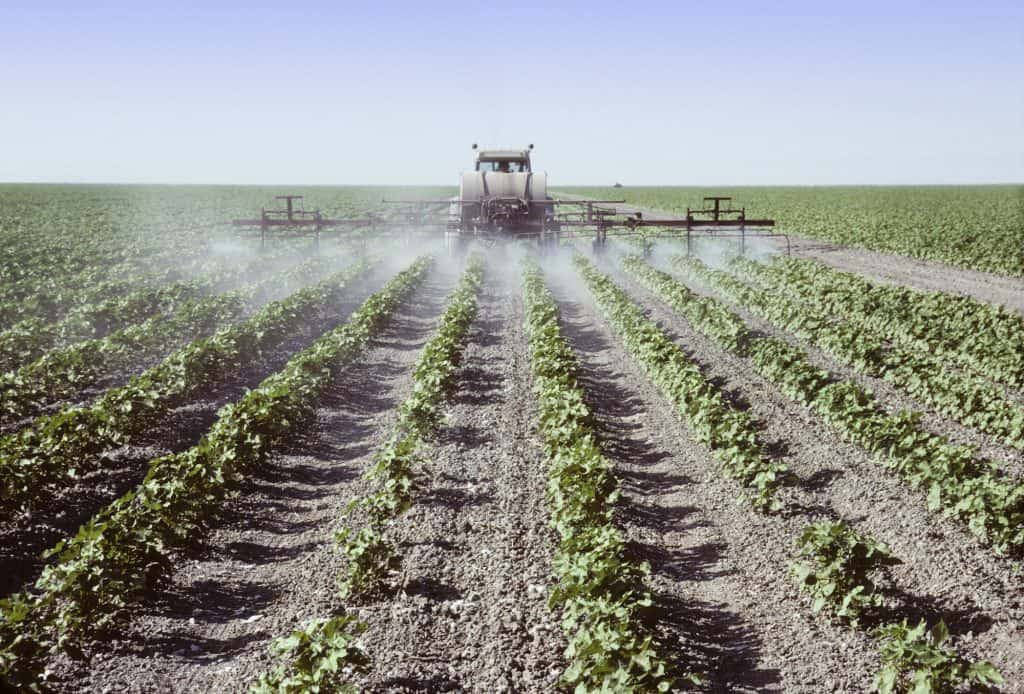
(728, 432)
(956, 483)
(599, 588)
(971, 400)
(45, 295)
(126, 548)
(986, 338)
(838, 568)
(63, 445)
(29, 339)
(835, 564)
(369, 554)
(323, 654)
(62, 373)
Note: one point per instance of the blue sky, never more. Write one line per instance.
(640, 92)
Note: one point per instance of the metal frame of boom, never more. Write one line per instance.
(589, 217)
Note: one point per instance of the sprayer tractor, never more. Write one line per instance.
(503, 198)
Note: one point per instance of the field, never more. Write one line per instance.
(384, 468)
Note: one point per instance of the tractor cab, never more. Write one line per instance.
(503, 160)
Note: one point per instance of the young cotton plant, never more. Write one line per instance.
(917, 660)
(321, 657)
(836, 568)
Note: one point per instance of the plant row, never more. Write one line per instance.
(61, 373)
(986, 338)
(599, 587)
(370, 555)
(45, 295)
(969, 399)
(956, 483)
(31, 338)
(728, 432)
(63, 445)
(127, 547)
(835, 564)
(323, 655)
(839, 569)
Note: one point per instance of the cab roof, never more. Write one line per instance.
(503, 155)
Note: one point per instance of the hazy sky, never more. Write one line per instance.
(395, 92)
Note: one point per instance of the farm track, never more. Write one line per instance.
(888, 396)
(926, 275)
(946, 573)
(271, 555)
(475, 546)
(23, 540)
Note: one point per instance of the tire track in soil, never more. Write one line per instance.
(23, 540)
(269, 565)
(889, 396)
(946, 573)
(719, 570)
(475, 545)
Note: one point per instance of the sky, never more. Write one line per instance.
(643, 93)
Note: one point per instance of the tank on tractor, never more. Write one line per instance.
(502, 196)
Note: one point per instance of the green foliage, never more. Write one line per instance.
(836, 568)
(918, 661)
(370, 557)
(987, 338)
(599, 589)
(321, 658)
(846, 317)
(61, 373)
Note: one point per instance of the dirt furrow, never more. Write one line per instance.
(946, 574)
(719, 572)
(476, 550)
(270, 565)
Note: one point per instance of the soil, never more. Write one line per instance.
(476, 548)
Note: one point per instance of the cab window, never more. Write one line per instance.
(501, 166)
